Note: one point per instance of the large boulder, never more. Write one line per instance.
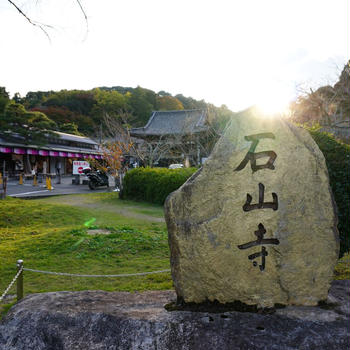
(257, 222)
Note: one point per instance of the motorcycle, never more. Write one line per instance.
(96, 179)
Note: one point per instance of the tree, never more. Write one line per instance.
(112, 159)
(107, 102)
(342, 88)
(70, 128)
(17, 98)
(191, 103)
(326, 105)
(32, 127)
(115, 144)
(79, 101)
(142, 102)
(219, 117)
(35, 99)
(4, 99)
(168, 103)
(163, 93)
(117, 135)
(315, 106)
(62, 115)
(150, 152)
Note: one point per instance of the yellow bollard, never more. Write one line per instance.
(20, 180)
(1, 182)
(35, 181)
(47, 182)
(49, 187)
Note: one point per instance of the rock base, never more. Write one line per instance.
(102, 320)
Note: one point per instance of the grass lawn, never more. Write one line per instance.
(51, 234)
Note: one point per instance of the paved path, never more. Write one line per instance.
(27, 190)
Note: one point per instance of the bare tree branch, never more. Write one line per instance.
(42, 26)
(86, 19)
(34, 23)
(148, 151)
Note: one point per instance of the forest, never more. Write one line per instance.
(82, 112)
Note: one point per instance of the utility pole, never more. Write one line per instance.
(100, 134)
(198, 152)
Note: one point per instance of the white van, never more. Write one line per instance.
(176, 166)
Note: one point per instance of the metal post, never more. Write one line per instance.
(58, 176)
(4, 186)
(20, 281)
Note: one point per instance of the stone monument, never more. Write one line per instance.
(257, 222)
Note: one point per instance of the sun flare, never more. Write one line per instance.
(274, 102)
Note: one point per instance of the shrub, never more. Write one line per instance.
(153, 184)
(337, 155)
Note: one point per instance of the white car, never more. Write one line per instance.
(176, 166)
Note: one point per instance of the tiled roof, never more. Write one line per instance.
(76, 138)
(173, 122)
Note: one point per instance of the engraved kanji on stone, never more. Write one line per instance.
(261, 204)
(252, 156)
(259, 241)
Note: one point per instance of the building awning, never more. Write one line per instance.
(32, 151)
(5, 150)
(53, 153)
(43, 152)
(17, 150)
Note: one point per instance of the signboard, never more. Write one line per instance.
(78, 166)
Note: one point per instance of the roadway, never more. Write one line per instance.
(28, 190)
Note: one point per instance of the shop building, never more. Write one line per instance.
(56, 156)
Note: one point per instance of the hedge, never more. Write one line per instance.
(337, 155)
(154, 184)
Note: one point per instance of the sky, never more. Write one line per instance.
(237, 53)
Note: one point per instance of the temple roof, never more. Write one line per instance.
(173, 122)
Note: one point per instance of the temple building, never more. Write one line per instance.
(175, 137)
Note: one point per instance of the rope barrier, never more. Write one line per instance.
(82, 275)
(21, 268)
(11, 284)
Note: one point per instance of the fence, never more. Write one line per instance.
(20, 268)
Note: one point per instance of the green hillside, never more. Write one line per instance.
(82, 111)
